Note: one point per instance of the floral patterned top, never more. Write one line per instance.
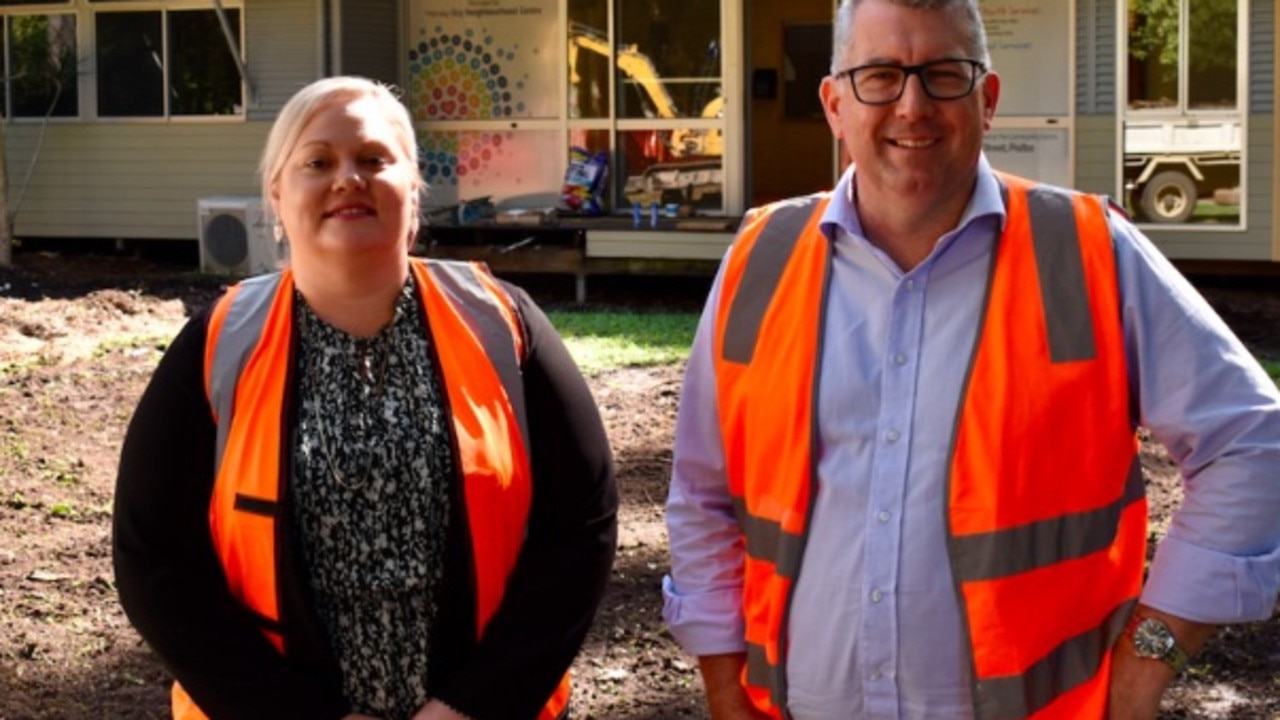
(371, 490)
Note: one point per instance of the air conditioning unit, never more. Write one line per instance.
(235, 238)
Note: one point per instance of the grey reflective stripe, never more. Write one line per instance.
(760, 278)
(482, 314)
(1069, 665)
(1061, 268)
(762, 674)
(766, 540)
(241, 329)
(1001, 553)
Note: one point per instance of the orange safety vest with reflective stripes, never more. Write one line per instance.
(479, 342)
(1046, 535)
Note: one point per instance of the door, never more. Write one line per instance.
(789, 143)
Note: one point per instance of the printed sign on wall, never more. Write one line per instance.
(1042, 155)
(1029, 41)
(483, 59)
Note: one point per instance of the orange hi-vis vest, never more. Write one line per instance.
(479, 342)
(1046, 536)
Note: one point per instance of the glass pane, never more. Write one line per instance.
(588, 55)
(807, 52)
(1159, 184)
(657, 167)
(130, 77)
(485, 64)
(1153, 54)
(517, 167)
(1211, 79)
(203, 79)
(668, 58)
(42, 57)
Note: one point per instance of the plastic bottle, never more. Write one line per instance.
(653, 214)
(635, 214)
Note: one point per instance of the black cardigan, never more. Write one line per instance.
(172, 587)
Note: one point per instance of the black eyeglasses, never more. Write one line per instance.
(946, 79)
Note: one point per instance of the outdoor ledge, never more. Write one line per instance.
(587, 246)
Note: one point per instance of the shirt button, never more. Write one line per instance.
(891, 436)
(876, 596)
(911, 284)
(900, 359)
(876, 674)
(883, 516)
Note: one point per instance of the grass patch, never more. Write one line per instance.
(1273, 369)
(606, 340)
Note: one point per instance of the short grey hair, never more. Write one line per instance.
(843, 30)
(304, 104)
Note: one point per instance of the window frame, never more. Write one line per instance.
(87, 50)
(6, 64)
(164, 9)
(1182, 112)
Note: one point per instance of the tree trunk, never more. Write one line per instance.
(6, 228)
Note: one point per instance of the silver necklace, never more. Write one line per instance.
(373, 385)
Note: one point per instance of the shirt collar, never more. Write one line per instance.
(842, 213)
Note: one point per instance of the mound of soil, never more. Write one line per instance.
(79, 337)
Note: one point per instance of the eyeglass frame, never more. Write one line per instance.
(979, 69)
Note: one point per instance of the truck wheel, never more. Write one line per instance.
(1168, 197)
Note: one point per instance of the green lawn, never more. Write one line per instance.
(602, 341)
(1273, 369)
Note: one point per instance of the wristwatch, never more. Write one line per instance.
(1152, 639)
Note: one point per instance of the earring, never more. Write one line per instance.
(278, 231)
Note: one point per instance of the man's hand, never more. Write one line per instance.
(1137, 684)
(726, 698)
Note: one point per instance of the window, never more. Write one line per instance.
(167, 63)
(807, 58)
(40, 57)
(1184, 117)
(667, 120)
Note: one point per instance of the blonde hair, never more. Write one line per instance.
(304, 104)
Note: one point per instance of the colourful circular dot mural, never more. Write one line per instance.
(448, 157)
(461, 77)
(463, 67)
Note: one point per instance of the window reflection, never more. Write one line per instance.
(42, 65)
(1184, 125)
(657, 167)
(668, 58)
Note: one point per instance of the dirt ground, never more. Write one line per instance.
(79, 336)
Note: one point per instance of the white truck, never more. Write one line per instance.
(1169, 164)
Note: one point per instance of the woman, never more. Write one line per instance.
(369, 486)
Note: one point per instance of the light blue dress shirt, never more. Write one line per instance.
(875, 627)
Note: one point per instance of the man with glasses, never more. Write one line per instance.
(906, 480)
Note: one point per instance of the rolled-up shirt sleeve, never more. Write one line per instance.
(1208, 401)
(703, 593)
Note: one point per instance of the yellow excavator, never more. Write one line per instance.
(693, 172)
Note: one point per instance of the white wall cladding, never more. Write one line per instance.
(283, 40)
(126, 180)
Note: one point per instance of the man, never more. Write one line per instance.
(906, 481)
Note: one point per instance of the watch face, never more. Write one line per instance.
(1152, 639)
